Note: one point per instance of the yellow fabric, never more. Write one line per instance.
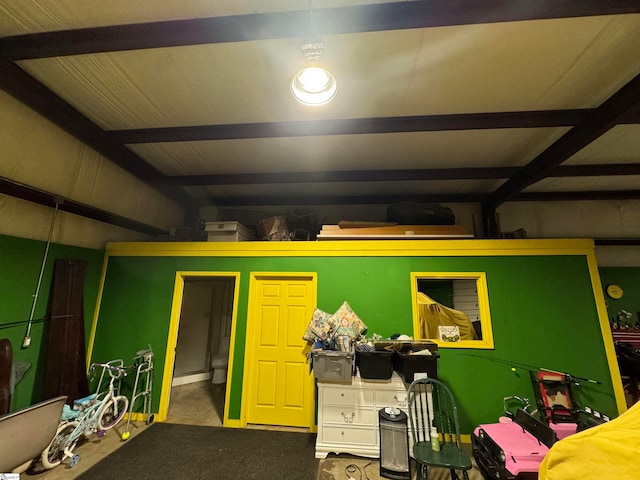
(432, 315)
(606, 451)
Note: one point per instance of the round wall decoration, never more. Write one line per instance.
(614, 291)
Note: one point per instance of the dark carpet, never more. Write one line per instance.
(176, 452)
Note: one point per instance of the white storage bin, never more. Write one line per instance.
(227, 232)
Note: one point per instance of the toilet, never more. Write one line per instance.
(220, 361)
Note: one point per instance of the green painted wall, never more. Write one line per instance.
(542, 307)
(20, 264)
(629, 279)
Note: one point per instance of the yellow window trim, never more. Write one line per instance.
(483, 303)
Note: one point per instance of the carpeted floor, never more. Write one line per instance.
(190, 452)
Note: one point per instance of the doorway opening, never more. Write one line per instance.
(203, 337)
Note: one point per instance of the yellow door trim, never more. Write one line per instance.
(172, 340)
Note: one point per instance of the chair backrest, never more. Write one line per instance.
(432, 407)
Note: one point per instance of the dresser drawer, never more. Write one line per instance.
(348, 415)
(347, 396)
(349, 435)
(391, 398)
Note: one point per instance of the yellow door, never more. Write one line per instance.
(281, 388)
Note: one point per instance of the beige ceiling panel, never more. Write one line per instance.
(621, 144)
(585, 184)
(475, 148)
(546, 64)
(357, 152)
(230, 82)
(203, 84)
(497, 67)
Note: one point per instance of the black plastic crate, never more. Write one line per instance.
(375, 365)
(405, 345)
(408, 364)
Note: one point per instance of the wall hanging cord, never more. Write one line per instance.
(27, 337)
(22, 322)
(38, 320)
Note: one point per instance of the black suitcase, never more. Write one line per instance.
(412, 213)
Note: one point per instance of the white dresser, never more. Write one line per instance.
(348, 414)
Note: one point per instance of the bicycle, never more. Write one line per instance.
(96, 413)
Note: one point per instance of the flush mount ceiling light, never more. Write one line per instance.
(313, 85)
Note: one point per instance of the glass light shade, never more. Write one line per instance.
(313, 86)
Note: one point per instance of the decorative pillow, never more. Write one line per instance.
(346, 322)
(319, 327)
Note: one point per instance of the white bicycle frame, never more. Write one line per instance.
(88, 419)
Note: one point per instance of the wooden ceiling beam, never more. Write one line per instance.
(601, 170)
(343, 176)
(355, 126)
(327, 21)
(341, 200)
(480, 173)
(621, 106)
(358, 126)
(301, 200)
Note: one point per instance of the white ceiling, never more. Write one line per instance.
(457, 67)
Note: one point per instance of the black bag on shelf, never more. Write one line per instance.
(413, 213)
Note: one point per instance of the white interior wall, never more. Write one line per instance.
(29, 220)
(38, 154)
(590, 219)
(194, 329)
(221, 312)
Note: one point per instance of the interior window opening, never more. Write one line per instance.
(452, 309)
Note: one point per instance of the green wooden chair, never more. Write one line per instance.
(432, 408)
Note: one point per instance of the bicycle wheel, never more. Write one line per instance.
(113, 412)
(54, 453)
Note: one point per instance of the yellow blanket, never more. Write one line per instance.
(607, 451)
(433, 315)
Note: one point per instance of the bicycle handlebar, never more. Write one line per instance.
(111, 368)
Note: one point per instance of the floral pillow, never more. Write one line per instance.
(346, 322)
(319, 327)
